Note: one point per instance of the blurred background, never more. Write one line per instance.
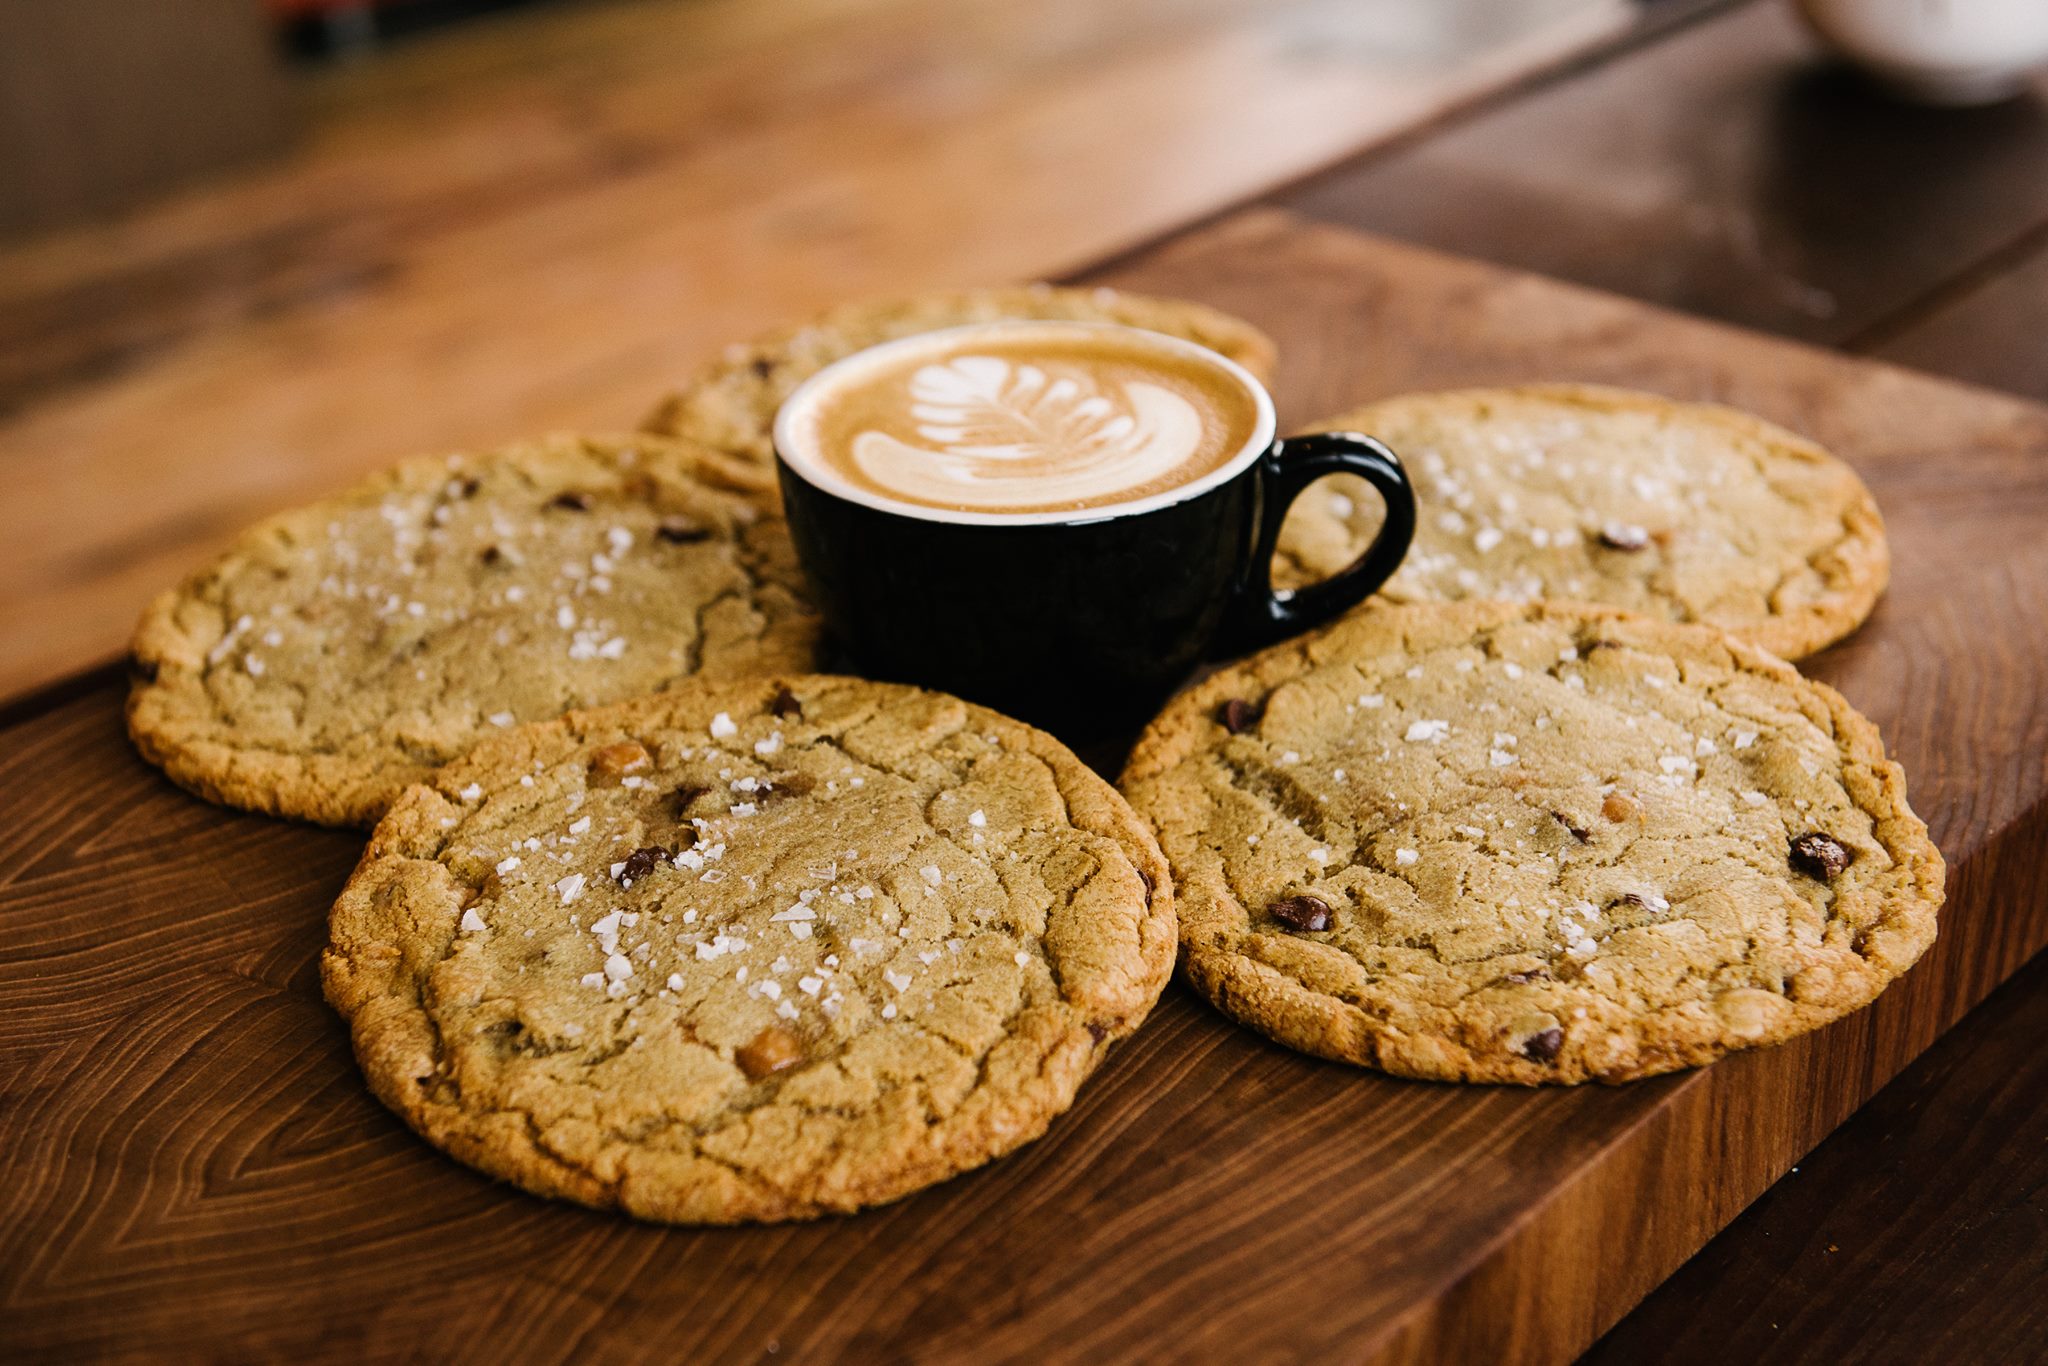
(251, 248)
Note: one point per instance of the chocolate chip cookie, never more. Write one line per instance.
(1532, 843)
(730, 405)
(1683, 511)
(341, 651)
(749, 950)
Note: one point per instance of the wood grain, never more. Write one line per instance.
(183, 1132)
(549, 221)
(1918, 1231)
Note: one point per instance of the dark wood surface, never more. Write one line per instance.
(1730, 171)
(184, 1131)
(1917, 1232)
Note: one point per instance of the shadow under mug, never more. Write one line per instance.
(1083, 621)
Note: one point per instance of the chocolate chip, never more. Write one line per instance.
(1097, 1032)
(643, 861)
(681, 531)
(1237, 715)
(785, 703)
(467, 488)
(784, 786)
(1543, 1045)
(1303, 912)
(574, 502)
(1819, 856)
(1146, 878)
(1621, 536)
(1578, 833)
(492, 554)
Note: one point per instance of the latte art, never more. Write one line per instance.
(1016, 418)
(991, 430)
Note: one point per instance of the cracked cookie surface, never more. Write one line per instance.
(749, 950)
(730, 405)
(1531, 843)
(339, 652)
(1682, 511)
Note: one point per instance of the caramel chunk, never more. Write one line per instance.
(615, 761)
(768, 1052)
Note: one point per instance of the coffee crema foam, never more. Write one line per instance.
(1025, 418)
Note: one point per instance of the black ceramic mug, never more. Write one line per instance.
(1081, 620)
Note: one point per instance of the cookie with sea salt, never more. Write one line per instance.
(336, 653)
(730, 404)
(749, 950)
(1684, 511)
(1532, 843)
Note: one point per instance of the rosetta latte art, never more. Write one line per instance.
(988, 426)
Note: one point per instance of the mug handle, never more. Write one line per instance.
(1260, 614)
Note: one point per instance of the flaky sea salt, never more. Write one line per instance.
(722, 727)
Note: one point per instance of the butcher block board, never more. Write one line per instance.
(190, 1165)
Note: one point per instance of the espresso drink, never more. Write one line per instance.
(1023, 418)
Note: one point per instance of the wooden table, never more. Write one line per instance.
(238, 1226)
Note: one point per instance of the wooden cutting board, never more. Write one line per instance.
(189, 1163)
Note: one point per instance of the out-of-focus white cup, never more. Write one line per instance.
(1938, 51)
